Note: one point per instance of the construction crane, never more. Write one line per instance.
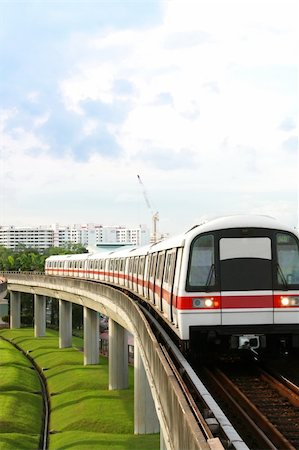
(155, 215)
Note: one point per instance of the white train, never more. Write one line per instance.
(231, 283)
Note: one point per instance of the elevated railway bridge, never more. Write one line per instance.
(159, 402)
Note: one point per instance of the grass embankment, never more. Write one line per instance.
(20, 400)
(84, 413)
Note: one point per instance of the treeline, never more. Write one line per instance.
(28, 259)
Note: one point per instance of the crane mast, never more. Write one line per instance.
(155, 215)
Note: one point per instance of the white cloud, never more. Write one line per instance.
(204, 91)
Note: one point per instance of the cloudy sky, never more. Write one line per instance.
(200, 98)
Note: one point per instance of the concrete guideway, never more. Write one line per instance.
(159, 401)
(3, 288)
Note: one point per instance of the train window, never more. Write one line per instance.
(167, 268)
(141, 266)
(288, 259)
(135, 265)
(201, 272)
(116, 265)
(160, 266)
(153, 266)
(245, 264)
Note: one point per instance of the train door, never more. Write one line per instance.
(246, 280)
(286, 299)
(89, 269)
(168, 279)
(126, 272)
(140, 277)
(146, 276)
(106, 269)
(176, 285)
(96, 269)
(152, 271)
(115, 270)
(121, 274)
(131, 269)
(158, 280)
(135, 273)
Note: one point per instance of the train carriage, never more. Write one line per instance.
(231, 283)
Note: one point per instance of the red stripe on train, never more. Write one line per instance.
(247, 301)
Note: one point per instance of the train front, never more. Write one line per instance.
(244, 283)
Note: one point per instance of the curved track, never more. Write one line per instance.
(267, 407)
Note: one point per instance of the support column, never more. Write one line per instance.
(15, 309)
(65, 324)
(39, 315)
(118, 356)
(145, 417)
(91, 336)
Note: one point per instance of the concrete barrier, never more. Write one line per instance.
(3, 288)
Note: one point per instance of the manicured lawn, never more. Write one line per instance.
(20, 400)
(84, 413)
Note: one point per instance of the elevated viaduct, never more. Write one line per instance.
(159, 402)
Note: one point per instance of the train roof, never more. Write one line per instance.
(222, 223)
(243, 221)
(73, 256)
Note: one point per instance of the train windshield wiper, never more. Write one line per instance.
(210, 276)
(281, 275)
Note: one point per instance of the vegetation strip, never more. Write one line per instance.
(84, 413)
(20, 399)
(43, 443)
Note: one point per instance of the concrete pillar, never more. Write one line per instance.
(91, 336)
(118, 356)
(15, 309)
(39, 315)
(145, 417)
(65, 324)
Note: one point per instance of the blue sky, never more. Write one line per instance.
(200, 98)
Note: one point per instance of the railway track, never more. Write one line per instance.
(267, 407)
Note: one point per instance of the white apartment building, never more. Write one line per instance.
(89, 235)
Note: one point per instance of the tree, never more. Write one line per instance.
(28, 259)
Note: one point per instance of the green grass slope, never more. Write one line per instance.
(84, 413)
(20, 401)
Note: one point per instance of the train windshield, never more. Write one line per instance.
(245, 264)
(201, 274)
(288, 260)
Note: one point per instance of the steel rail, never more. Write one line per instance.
(266, 432)
(282, 384)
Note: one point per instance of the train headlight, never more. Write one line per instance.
(209, 302)
(203, 302)
(285, 301)
(289, 301)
